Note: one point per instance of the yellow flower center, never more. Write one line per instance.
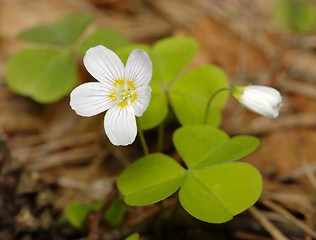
(124, 93)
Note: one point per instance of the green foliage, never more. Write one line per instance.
(114, 214)
(63, 32)
(106, 37)
(296, 15)
(213, 189)
(195, 143)
(211, 146)
(45, 75)
(190, 94)
(157, 109)
(134, 236)
(76, 214)
(171, 56)
(124, 52)
(150, 179)
(48, 74)
(218, 192)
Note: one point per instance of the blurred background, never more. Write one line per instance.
(50, 157)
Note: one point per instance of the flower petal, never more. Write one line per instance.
(138, 68)
(104, 65)
(90, 99)
(143, 98)
(120, 125)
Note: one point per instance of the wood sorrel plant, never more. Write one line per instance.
(212, 186)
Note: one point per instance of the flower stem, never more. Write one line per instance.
(142, 138)
(208, 106)
(161, 129)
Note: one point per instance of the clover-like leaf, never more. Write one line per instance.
(202, 146)
(45, 75)
(106, 37)
(190, 94)
(62, 32)
(193, 143)
(215, 194)
(114, 214)
(157, 109)
(150, 179)
(76, 214)
(230, 150)
(214, 189)
(170, 56)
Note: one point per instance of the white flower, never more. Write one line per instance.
(259, 99)
(122, 91)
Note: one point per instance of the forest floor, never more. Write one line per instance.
(50, 157)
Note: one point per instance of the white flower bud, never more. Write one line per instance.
(259, 99)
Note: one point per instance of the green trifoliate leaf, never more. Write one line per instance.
(106, 37)
(190, 94)
(171, 56)
(76, 214)
(215, 194)
(150, 179)
(63, 32)
(202, 146)
(45, 75)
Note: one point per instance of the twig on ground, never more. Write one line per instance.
(267, 225)
(309, 173)
(279, 209)
(95, 219)
(297, 173)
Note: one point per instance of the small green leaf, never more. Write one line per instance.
(157, 109)
(232, 149)
(63, 32)
(296, 15)
(202, 146)
(76, 214)
(170, 56)
(96, 206)
(114, 214)
(45, 75)
(194, 143)
(150, 179)
(106, 37)
(217, 193)
(190, 94)
(134, 236)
